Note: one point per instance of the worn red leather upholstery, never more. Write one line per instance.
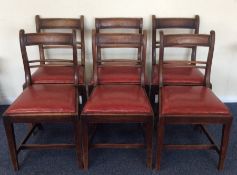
(119, 74)
(42, 98)
(178, 75)
(57, 75)
(118, 99)
(191, 101)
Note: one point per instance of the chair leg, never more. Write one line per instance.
(91, 132)
(90, 88)
(152, 96)
(82, 92)
(160, 140)
(149, 143)
(154, 105)
(9, 128)
(197, 127)
(78, 142)
(85, 144)
(147, 89)
(224, 144)
(38, 125)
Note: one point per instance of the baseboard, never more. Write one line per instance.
(6, 100)
(232, 99)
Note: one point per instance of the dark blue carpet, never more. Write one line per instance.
(119, 161)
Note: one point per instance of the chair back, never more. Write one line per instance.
(173, 23)
(62, 24)
(48, 39)
(125, 25)
(121, 41)
(187, 41)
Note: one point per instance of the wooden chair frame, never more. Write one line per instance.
(77, 24)
(117, 41)
(191, 40)
(169, 23)
(31, 39)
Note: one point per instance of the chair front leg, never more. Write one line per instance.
(90, 89)
(149, 126)
(160, 140)
(39, 126)
(85, 144)
(147, 89)
(77, 125)
(9, 129)
(224, 144)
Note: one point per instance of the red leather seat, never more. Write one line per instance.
(190, 101)
(45, 99)
(178, 75)
(57, 75)
(118, 99)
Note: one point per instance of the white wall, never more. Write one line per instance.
(219, 15)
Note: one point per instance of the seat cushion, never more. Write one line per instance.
(118, 99)
(42, 98)
(191, 101)
(57, 75)
(119, 74)
(181, 75)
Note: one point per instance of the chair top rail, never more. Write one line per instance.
(112, 23)
(48, 39)
(186, 40)
(185, 23)
(59, 23)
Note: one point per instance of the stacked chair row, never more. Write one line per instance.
(119, 90)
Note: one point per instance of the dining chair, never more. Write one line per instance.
(120, 102)
(46, 102)
(193, 104)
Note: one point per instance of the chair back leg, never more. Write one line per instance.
(149, 126)
(224, 144)
(78, 142)
(160, 140)
(85, 143)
